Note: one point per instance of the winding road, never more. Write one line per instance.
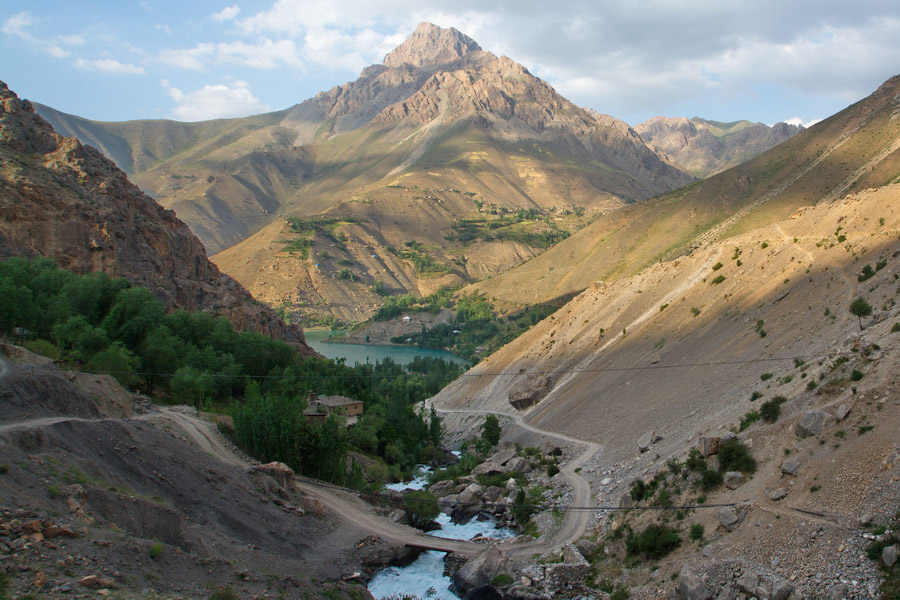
(348, 505)
(576, 521)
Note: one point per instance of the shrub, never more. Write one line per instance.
(856, 375)
(696, 531)
(717, 280)
(653, 542)
(865, 429)
(421, 506)
(621, 593)
(638, 490)
(552, 470)
(895, 327)
(717, 266)
(223, 593)
(695, 311)
(749, 419)
(770, 409)
(765, 376)
(501, 580)
(735, 456)
(755, 396)
(710, 480)
(155, 549)
(695, 460)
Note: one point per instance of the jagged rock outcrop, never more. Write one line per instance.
(65, 201)
(706, 147)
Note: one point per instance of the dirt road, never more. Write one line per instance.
(576, 521)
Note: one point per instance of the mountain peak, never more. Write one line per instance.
(430, 45)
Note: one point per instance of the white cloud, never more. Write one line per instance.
(108, 65)
(226, 14)
(164, 28)
(264, 54)
(17, 24)
(214, 102)
(800, 122)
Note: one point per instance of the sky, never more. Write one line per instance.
(725, 60)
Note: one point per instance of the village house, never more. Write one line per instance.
(321, 406)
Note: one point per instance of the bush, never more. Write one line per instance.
(653, 542)
(501, 580)
(621, 593)
(155, 549)
(735, 456)
(695, 460)
(718, 279)
(696, 532)
(749, 419)
(552, 470)
(223, 593)
(771, 409)
(856, 375)
(710, 479)
(421, 506)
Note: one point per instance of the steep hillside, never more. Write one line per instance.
(67, 202)
(692, 347)
(705, 147)
(442, 132)
(856, 149)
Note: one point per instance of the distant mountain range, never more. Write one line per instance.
(705, 147)
(442, 166)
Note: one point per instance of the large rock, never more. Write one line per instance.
(442, 488)
(839, 591)
(778, 494)
(479, 570)
(747, 583)
(733, 479)
(690, 586)
(518, 464)
(791, 465)
(648, 439)
(488, 467)
(728, 518)
(484, 592)
(503, 456)
(889, 556)
(530, 391)
(813, 423)
(842, 411)
(468, 504)
(781, 589)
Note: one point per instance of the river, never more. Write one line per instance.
(427, 572)
(370, 353)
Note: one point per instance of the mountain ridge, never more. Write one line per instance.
(68, 202)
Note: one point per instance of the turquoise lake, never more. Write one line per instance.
(369, 353)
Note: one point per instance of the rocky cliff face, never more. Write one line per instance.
(67, 202)
(707, 147)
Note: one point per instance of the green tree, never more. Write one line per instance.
(490, 434)
(860, 308)
(192, 386)
(421, 507)
(116, 360)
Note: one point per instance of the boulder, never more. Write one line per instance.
(889, 556)
(530, 391)
(484, 592)
(648, 439)
(586, 548)
(712, 462)
(838, 591)
(503, 456)
(443, 488)
(747, 583)
(626, 501)
(448, 503)
(728, 518)
(842, 411)
(518, 464)
(813, 423)
(781, 589)
(709, 445)
(479, 570)
(492, 494)
(791, 465)
(690, 586)
(488, 467)
(521, 592)
(778, 494)
(733, 479)
(468, 504)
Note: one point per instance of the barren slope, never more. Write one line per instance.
(855, 149)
